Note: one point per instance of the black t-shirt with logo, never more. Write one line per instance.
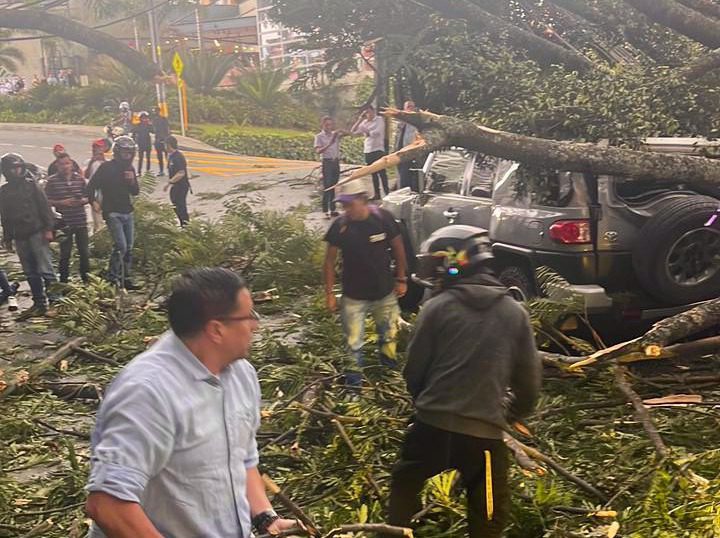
(177, 162)
(365, 245)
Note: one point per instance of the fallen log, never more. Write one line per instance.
(64, 351)
(437, 132)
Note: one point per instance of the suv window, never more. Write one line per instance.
(550, 188)
(447, 172)
(483, 175)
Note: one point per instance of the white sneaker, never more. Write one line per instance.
(12, 303)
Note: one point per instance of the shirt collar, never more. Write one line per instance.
(186, 359)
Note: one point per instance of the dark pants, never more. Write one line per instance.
(146, 153)
(80, 234)
(178, 198)
(331, 174)
(161, 153)
(36, 261)
(408, 176)
(428, 451)
(378, 176)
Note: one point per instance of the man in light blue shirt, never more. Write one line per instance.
(174, 452)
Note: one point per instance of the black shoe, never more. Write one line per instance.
(5, 297)
(130, 286)
(35, 311)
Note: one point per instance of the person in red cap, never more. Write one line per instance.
(59, 149)
(98, 157)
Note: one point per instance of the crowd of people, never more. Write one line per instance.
(174, 451)
(74, 202)
(371, 126)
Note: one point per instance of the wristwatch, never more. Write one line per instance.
(263, 520)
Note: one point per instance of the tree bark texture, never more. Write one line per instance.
(683, 20)
(706, 7)
(445, 131)
(30, 19)
(541, 50)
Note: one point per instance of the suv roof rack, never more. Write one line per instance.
(701, 147)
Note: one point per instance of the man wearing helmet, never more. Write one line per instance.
(472, 369)
(142, 134)
(116, 181)
(28, 221)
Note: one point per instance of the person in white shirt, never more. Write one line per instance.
(327, 144)
(372, 127)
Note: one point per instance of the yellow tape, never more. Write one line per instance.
(489, 485)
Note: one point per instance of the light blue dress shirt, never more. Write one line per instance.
(177, 439)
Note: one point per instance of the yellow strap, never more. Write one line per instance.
(489, 485)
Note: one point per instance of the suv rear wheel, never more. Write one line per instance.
(677, 258)
(516, 277)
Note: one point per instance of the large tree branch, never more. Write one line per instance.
(685, 21)
(706, 7)
(702, 66)
(29, 19)
(444, 131)
(541, 50)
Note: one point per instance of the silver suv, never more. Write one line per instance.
(640, 249)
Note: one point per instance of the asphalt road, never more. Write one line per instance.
(265, 183)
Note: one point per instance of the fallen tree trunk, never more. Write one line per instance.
(541, 50)
(438, 132)
(55, 25)
(683, 20)
(64, 351)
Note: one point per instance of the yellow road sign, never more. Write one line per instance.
(178, 65)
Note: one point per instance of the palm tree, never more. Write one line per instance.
(261, 87)
(10, 57)
(204, 72)
(125, 85)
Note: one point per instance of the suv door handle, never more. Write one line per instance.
(451, 215)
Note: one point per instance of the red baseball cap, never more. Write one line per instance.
(58, 148)
(99, 143)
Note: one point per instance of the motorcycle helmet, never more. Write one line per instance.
(452, 253)
(124, 149)
(9, 163)
(143, 114)
(124, 106)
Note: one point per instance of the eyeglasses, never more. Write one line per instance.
(254, 316)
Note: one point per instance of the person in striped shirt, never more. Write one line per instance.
(67, 192)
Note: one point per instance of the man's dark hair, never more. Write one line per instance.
(172, 142)
(200, 295)
(63, 155)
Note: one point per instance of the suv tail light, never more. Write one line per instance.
(571, 232)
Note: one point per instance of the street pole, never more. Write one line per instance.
(198, 28)
(137, 35)
(154, 42)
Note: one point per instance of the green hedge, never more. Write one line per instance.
(279, 145)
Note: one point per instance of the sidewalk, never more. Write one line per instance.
(96, 131)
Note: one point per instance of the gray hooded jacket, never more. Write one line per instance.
(472, 364)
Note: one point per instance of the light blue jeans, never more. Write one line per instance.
(122, 231)
(385, 313)
(36, 260)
